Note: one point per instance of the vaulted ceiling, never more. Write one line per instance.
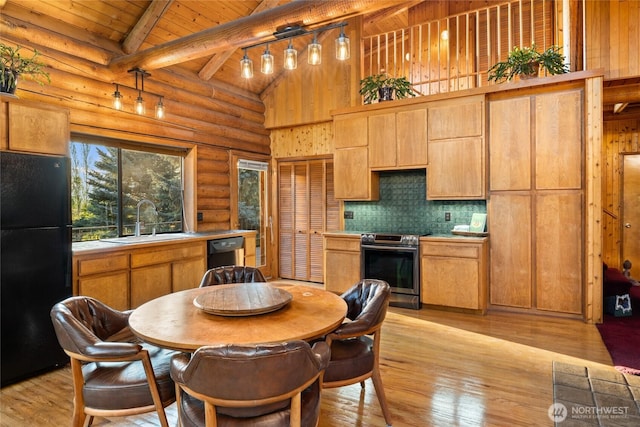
(203, 38)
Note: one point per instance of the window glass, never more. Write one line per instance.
(111, 187)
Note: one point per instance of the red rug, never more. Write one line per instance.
(621, 336)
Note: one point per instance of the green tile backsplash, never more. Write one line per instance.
(403, 208)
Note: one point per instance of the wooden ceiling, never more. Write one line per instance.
(202, 38)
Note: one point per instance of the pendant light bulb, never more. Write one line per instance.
(246, 66)
(290, 57)
(266, 62)
(343, 46)
(140, 104)
(160, 109)
(117, 99)
(314, 52)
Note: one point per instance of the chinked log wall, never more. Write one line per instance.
(215, 117)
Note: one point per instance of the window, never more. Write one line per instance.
(111, 184)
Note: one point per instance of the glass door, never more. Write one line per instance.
(251, 210)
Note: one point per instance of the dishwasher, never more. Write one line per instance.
(226, 251)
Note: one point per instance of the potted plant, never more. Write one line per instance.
(381, 87)
(13, 65)
(526, 62)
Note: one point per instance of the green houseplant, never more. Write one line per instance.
(526, 62)
(13, 65)
(381, 87)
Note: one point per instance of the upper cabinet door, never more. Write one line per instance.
(411, 135)
(510, 146)
(382, 140)
(559, 124)
(38, 129)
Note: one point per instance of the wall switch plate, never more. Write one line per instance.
(348, 214)
(447, 216)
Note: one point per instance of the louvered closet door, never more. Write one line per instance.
(307, 208)
(285, 218)
(301, 222)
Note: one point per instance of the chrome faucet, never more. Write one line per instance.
(137, 230)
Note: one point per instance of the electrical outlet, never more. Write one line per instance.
(200, 216)
(348, 214)
(447, 216)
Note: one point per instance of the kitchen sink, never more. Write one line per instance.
(147, 238)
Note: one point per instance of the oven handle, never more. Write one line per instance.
(390, 248)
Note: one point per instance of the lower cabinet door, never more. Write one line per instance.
(148, 283)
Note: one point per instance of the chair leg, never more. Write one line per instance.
(362, 384)
(153, 386)
(377, 384)
(79, 417)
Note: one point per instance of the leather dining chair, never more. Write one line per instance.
(231, 274)
(355, 345)
(250, 385)
(113, 375)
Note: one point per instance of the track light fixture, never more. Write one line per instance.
(139, 105)
(289, 32)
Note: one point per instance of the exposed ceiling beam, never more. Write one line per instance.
(621, 94)
(392, 11)
(214, 64)
(143, 27)
(246, 31)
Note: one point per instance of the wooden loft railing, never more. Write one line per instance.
(437, 63)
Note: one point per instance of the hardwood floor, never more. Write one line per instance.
(439, 369)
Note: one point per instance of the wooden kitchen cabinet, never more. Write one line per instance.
(342, 261)
(535, 208)
(129, 277)
(454, 273)
(398, 139)
(105, 278)
(152, 270)
(456, 149)
(352, 177)
(34, 127)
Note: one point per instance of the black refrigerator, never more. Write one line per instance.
(35, 260)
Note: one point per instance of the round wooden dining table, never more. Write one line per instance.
(178, 321)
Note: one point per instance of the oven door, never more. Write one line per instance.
(396, 265)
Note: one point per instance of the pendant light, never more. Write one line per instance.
(117, 98)
(314, 51)
(246, 66)
(160, 109)
(343, 48)
(290, 57)
(266, 62)
(139, 105)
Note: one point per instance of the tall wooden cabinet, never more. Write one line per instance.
(536, 201)
(307, 208)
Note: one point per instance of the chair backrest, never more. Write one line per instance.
(367, 302)
(231, 274)
(81, 322)
(252, 374)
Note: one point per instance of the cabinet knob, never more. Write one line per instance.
(627, 225)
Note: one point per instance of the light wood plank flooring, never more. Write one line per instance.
(439, 369)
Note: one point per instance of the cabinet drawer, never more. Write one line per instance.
(167, 255)
(102, 265)
(450, 250)
(352, 245)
